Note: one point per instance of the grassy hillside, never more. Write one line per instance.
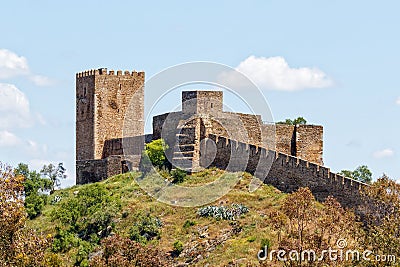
(204, 240)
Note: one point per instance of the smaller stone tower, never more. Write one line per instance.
(202, 102)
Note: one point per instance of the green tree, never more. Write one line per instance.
(361, 173)
(35, 187)
(155, 150)
(84, 220)
(55, 174)
(298, 120)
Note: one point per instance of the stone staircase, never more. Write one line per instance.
(184, 149)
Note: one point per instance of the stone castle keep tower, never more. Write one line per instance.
(102, 100)
(202, 135)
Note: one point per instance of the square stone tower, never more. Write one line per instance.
(102, 101)
(202, 102)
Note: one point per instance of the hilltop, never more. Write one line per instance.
(116, 223)
(202, 238)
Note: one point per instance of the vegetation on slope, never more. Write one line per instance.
(115, 223)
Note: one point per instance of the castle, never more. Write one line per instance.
(200, 136)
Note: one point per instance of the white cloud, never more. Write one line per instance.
(274, 73)
(8, 139)
(12, 65)
(398, 101)
(14, 107)
(40, 80)
(385, 153)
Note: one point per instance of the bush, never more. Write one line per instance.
(178, 175)
(91, 211)
(178, 248)
(146, 228)
(81, 257)
(84, 219)
(222, 212)
(120, 251)
(34, 204)
(64, 241)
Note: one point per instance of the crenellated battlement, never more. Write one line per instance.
(287, 172)
(104, 71)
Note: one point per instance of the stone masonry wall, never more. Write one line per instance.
(85, 117)
(106, 96)
(286, 173)
(239, 126)
(124, 146)
(113, 96)
(309, 143)
(303, 141)
(203, 102)
(90, 171)
(285, 139)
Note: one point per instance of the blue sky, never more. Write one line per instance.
(347, 52)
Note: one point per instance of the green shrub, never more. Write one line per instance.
(64, 241)
(146, 228)
(188, 224)
(82, 255)
(178, 248)
(178, 175)
(34, 204)
(90, 211)
(298, 120)
(83, 220)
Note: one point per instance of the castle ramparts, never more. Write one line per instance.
(201, 135)
(285, 172)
